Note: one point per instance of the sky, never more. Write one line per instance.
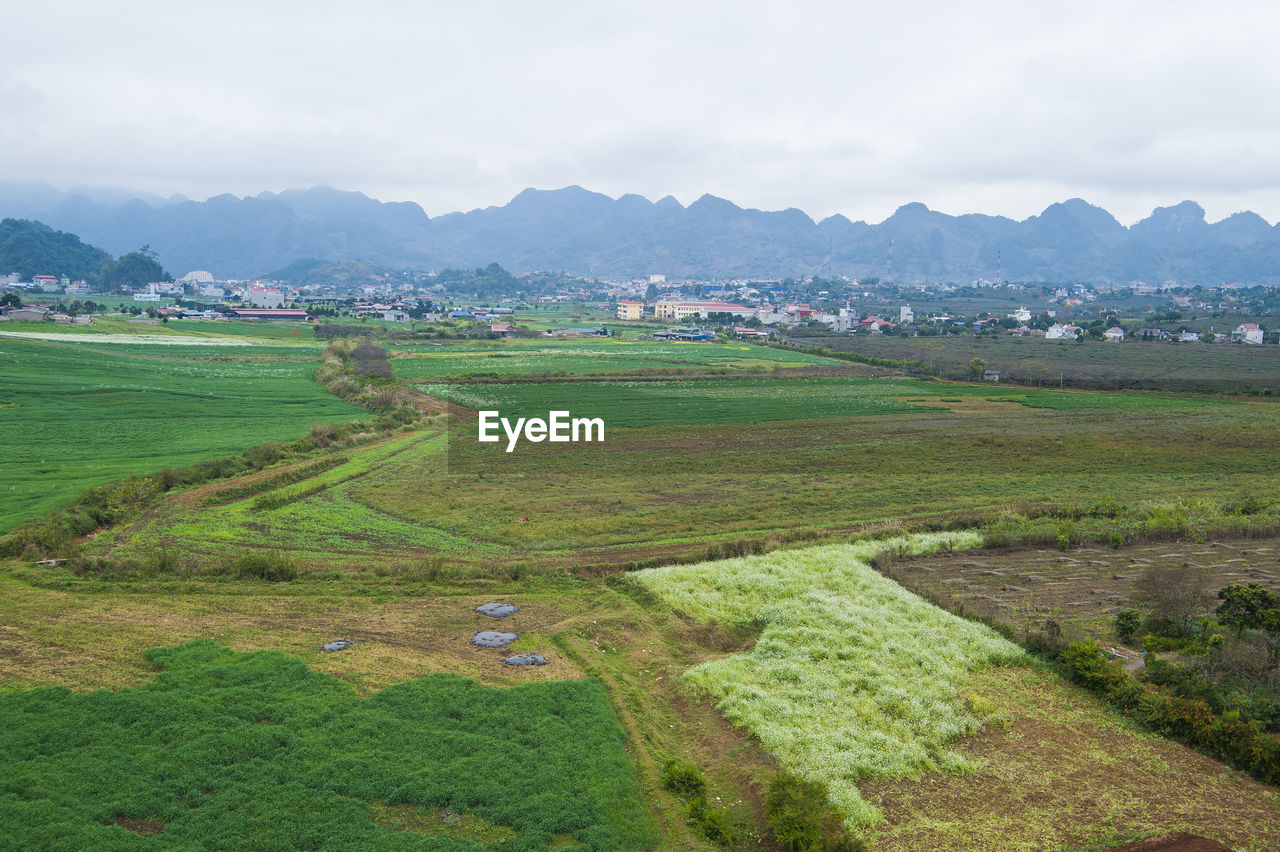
(829, 107)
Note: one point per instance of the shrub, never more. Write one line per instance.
(274, 567)
(1086, 666)
(683, 779)
(1127, 622)
(711, 823)
(801, 820)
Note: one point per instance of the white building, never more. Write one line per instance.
(266, 297)
(905, 314)
(1247, 332)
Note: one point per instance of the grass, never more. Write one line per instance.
(76, 414)
(1094, 364)
(1055, 767)
(663, 492)
(675, 402)
(421, 362)
(852, 677)
(235, 751)
(1062, 772)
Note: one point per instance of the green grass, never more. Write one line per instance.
(853, 677)
(622, 403)
(667, 490)
(235, 750)
(1133, 364)
(79, 414)
(588, 357)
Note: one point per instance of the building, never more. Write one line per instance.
(669, 309)
(1247, 332)
(31, 313)
(629, 310)
(395, 316)
(905, 314)
(268, 314)
(1115, 334)
(146, 297)
(266, 297)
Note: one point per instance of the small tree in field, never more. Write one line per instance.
(977, 367)
(1176, 593)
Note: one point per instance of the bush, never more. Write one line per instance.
(273, 567)
(1086, 666)
(801, 820)
(710, 823)
(683, 779)
(1127, 623)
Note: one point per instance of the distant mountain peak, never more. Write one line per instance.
(579, 231)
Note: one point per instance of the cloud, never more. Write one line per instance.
(827, 106)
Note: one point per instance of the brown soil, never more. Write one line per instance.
(1023, 588)
(1174, 843)
(141, 826)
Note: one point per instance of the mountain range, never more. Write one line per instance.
(586, 233)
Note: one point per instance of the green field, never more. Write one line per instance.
(927, 730)
(227, 750)
(85, 414)
(588, 357)
(870, 453)
(1180, 367)
(622, 403)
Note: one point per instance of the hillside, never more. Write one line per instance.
(32, 248)
(587, 233)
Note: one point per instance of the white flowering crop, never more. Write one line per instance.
(853, 677)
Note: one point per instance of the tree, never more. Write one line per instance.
(1176, 593)
(10, 300)
(1244, 607)
(133, 270)
(977, 367)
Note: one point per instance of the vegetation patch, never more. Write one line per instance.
(79, 415)
(852, 677)
(234, 751)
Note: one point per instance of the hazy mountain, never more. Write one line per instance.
(582, 232)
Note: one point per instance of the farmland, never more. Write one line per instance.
(425, 362)
(1183, 367)
(928, 731)
(1048, 766)
(237, 751)
(854, 464)
(886, 710)
(84, 414)
(1082, 589)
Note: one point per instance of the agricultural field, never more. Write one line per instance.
(1082, 589)
(1046, 767)
(660, 491)
(1179, 367)
(233, 750)
(416, 362)
(87, 413)
(851, 677)
(928, 731)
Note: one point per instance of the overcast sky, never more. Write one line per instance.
(831, 107)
